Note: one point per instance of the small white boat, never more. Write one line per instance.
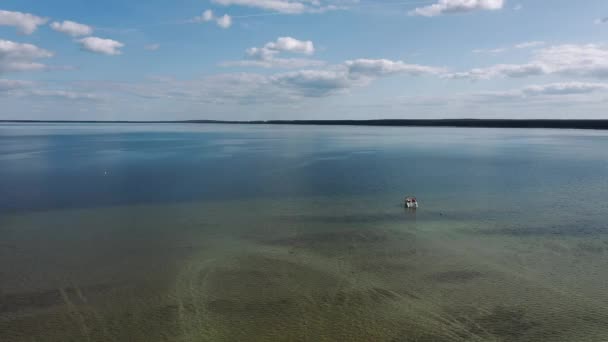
(411, 202)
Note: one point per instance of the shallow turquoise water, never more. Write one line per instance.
(213, 232)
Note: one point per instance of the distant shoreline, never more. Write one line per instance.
(473, 123)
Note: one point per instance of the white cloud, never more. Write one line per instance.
(338, 78)
(207, 15)
(289, 44)
(244, 88)
(65, 94)
(281, 63)
(282, 44)
(9, 49)
(282, 6)
(518, 7)
(520, 46)
(260, 53)
(566, 88)
(20, 88)
(269, 89)
(101, 45)
(314, 83)
(290, 6)
(8, 85)
(24, 22)
(457, 6)
(232, 88)
(491, 51)
(229, 94)
(224, 21)
(499, 70)
(266, 56)
(22, 66)
(72, 28)
(589, 60)
(571, 90)
(385, 67)
(530, 44)
(21, 57)
(152, 47)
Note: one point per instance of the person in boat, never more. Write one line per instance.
(411, 202)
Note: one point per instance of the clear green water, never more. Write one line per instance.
(254, 233)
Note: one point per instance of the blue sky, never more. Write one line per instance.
(303, 59)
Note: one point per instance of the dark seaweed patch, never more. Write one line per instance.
(240, 307)
(336, 237)
(418, 336)
(456, 276)
(580, 229)
(359, 298)
(258, 283)
(12, 302)
(386, 267)
(591, 247)
(505, 322)
(346, 219)
(169, 312)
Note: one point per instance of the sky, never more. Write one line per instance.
(303, 59)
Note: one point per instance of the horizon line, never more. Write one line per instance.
(597, 124)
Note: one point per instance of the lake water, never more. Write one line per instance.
(297, 233)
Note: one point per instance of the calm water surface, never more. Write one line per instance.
(293, 233)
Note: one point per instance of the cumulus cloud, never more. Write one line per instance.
(207, 15)
(530, 44)
(457, 6)
(566, 88)
(282, 44)
(72, 28)
(280, 63)
(490, 51)
(9, 49)
(24, 22)
(589, 60)
(281, 87)
(224, 21)
(64, 94)
(302, 89)
(21, 57)
(283, 6)
(101, 45)
(289, 44)
(9, 85)
(290, 6)
(20, 88)
(314, 83)
(242, 88)
(500, 70)
(338, 78)
(231, 88)
(519, 46)
(385, 67)
(545, 91)
(266, 56)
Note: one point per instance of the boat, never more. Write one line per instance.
(411, 202)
